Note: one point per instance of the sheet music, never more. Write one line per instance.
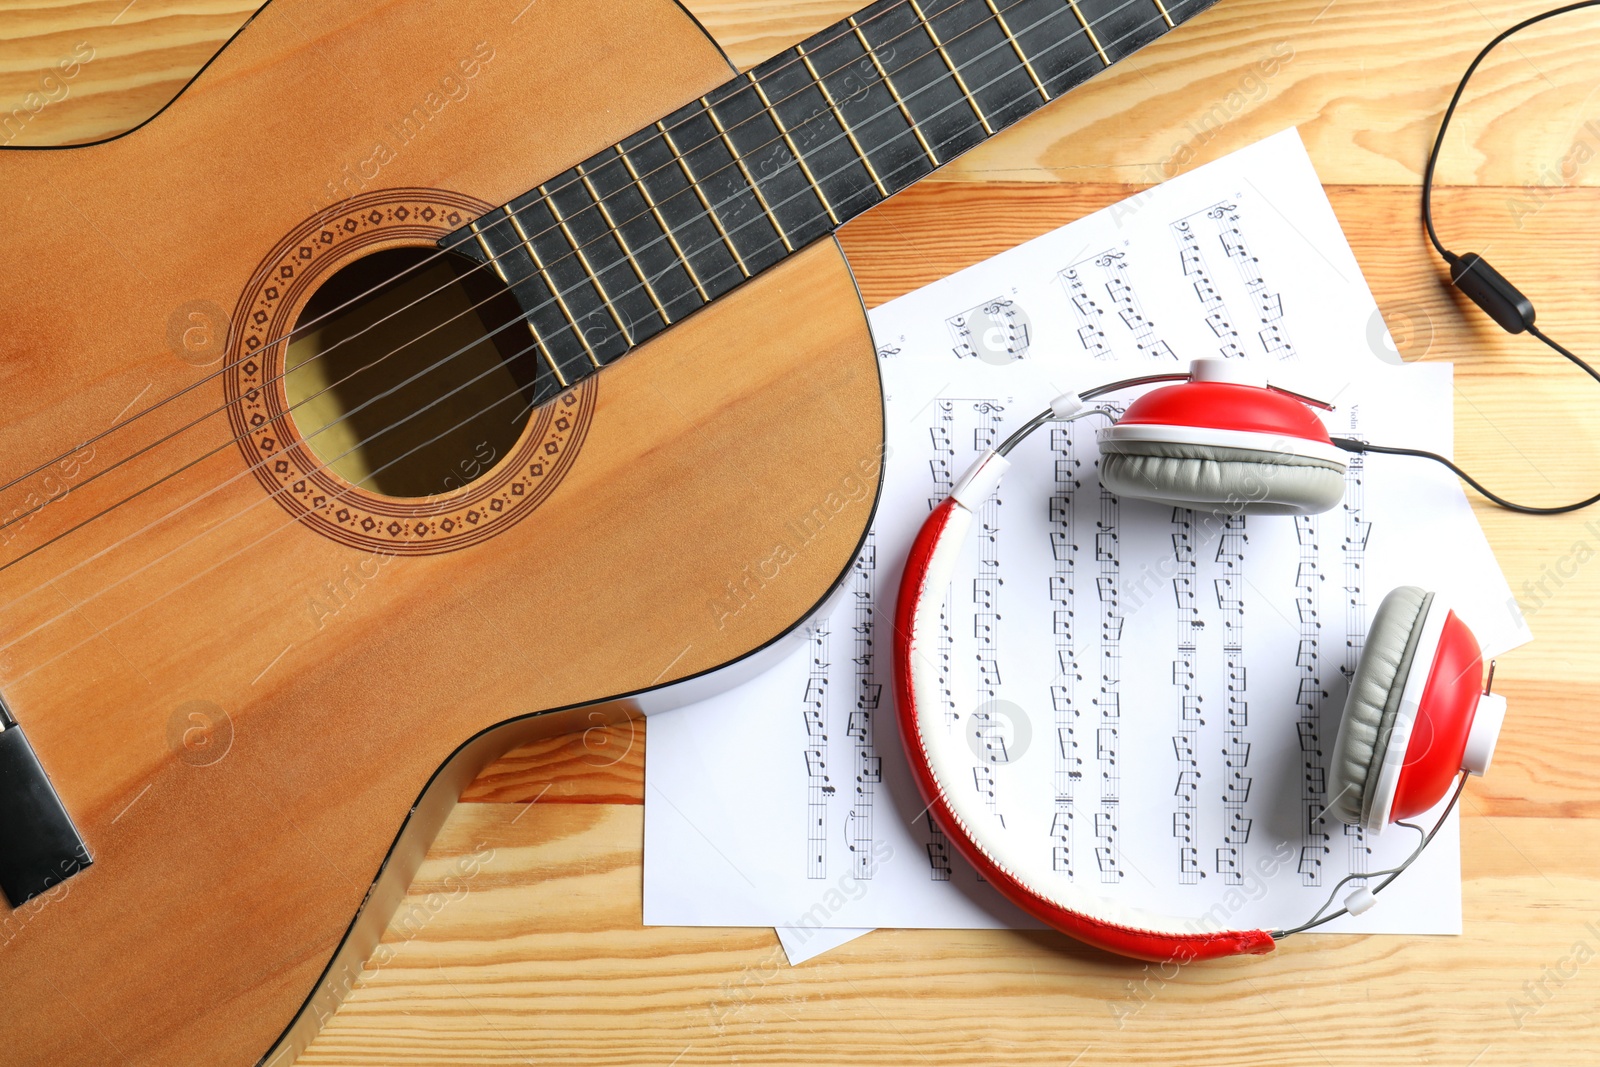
(1149, 694)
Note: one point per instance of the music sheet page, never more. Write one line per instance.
(1150, 695)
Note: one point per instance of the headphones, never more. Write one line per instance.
(1221, 439)
(1227, 441)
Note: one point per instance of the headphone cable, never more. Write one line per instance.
(1471, 273)
(1350, 444)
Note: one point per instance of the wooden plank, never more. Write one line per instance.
(1363, 80)
(541, 959)
(542, 956)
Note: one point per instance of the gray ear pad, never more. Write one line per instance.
(1374, 702)
(1239, 480)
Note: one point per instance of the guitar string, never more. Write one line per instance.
(547, 198)
(418, 374)
(292, 520)
(659, 135)
(577, 250)
(958, 103)
(22, 515)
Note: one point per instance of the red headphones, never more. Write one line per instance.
(1222, 441)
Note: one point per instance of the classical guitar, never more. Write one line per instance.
(329, 470)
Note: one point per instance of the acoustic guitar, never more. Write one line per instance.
(427, 377)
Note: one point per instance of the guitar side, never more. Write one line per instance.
(358, 689)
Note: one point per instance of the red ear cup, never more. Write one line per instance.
(1223, 441)
(1227, 406)
(1445, 718)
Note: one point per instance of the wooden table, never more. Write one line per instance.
(545, 960)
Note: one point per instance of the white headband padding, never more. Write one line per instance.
(950, 762)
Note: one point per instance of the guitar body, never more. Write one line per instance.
(257, 717)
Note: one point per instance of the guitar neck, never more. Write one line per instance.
(606, 255)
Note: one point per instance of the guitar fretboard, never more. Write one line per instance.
(606, 255)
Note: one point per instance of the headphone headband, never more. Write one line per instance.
(1065, 907)
(1408, 785)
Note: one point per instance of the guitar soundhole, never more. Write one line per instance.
(400, 417)
(408, 375)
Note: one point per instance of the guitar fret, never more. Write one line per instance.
(638, 233)
(869, 112)
(991, 63)
(583, 258)
(1124, 26)
(683, 165)
(943, 108)
(682, 207)
(1094, 38)
(793, 201)
(606, 286)
(827, 95)
(622, 242)
(1060, 50)
(739, 161)
(642, 234)
(748, 226)
(933, 157)
(555, 290)
(1016, 46)
(805, 168)
(655, 209)
(843, 185)
(949, 63)
(538, 341)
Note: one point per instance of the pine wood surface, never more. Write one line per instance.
(543, 958)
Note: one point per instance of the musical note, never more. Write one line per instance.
(1068, 768)
(1105, 852)
(1067, 762)
(1310, 866)
(1183, 826)
(819, 788)
(1212, 304)
(1229, 592)
(1357, 530)
(1093, 339)
(986, 588)
(1129, 309)
(1091, 335)
(860, 836)
(1107, 588)
(1189, 627)
(1221, 325)
(1267, 304)
(996, 331)
(939, 856)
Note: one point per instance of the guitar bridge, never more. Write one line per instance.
(39, 846)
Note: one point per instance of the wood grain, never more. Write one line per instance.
(543, 958)
(349, 673)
